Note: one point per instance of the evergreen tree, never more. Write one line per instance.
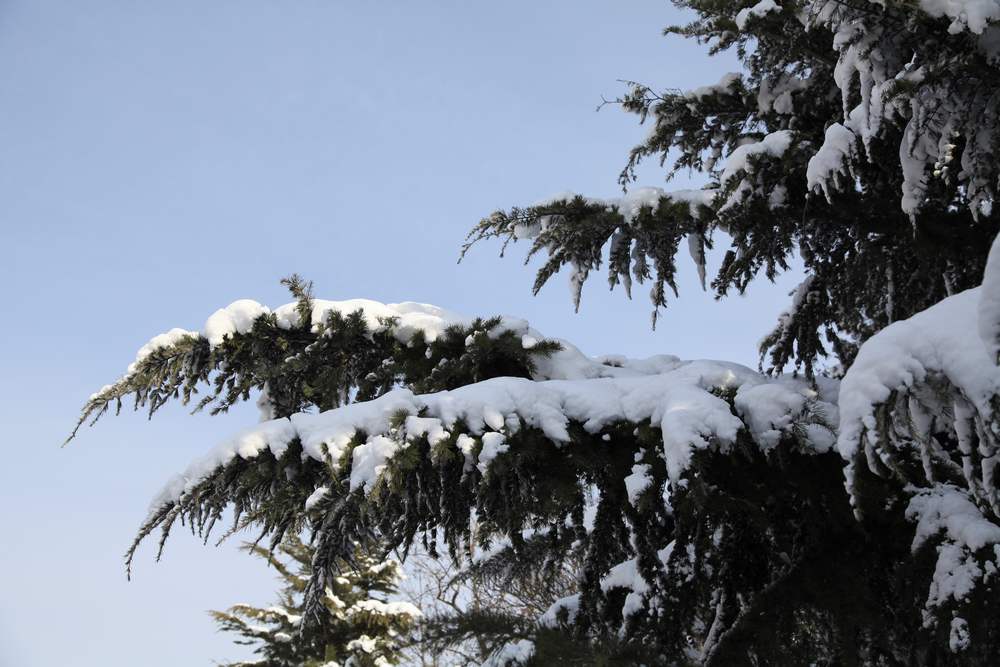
(363, 628)
(705, 501)
(860, 136)
(310, 355)
(582, 462)
(920, 431)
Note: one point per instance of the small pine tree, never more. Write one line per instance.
(362, 628)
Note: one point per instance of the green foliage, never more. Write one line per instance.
(747, 543)
(754, 556)
(315, 365)
(575, 231)
(870, 262)
(738, 534)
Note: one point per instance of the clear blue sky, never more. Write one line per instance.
(162, 159)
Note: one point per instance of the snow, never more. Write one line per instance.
(694, 198)
(417, 427)
(871, 65)
(760, 9)
(330, 432)
(632, 203)
(832, 161)
(956, 574)
(467, 446)
(777, 199)
(410, 316)
(725, 84)
(958, 637)
(363, 643)
(247, 444)
(379, 608)
(914, 156)
(265, 408)
(940, 365)
(630, 206)
(776, 94)
(370, 459)
(769, 411)
(637, 482)
(988, 315)
(677, 399)
(288, 616)
(948, 509)
(625, 575)
(942, 340)
(155, 344)
(493, 444)
(316, 496)
(514, 653)
(635, 200)
(236, 318)
(633, 604)
(565, 196)
(773, 145)
(567, 607)
(973, 15)
(239, 317)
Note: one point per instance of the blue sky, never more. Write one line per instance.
(161, 160)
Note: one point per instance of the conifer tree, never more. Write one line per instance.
(859, 136)
(721, 516)
(363, 627)
(578, 464)
(310, 355)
